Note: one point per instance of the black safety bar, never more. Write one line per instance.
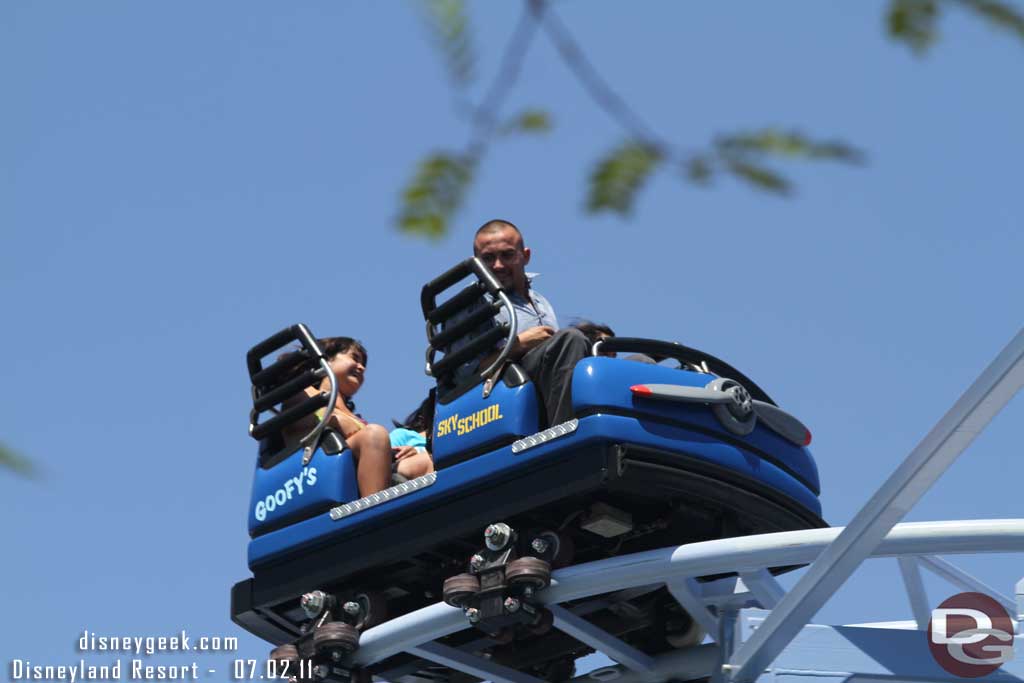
(473, 349)
(428, 296)
(455, 304)
(271, 398)
(293, 414)
(479, 309)
(439, 340)
(683, 354)
(296, 333)
(286, 378)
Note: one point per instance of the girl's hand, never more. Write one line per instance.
(404, 452)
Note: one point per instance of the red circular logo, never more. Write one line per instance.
(970, 635)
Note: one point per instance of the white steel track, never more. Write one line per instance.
(670, 566)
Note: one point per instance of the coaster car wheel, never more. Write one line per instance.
(335, 635)
(528, 572)
(459, 589)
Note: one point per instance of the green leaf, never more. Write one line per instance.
(434, 194)
(787, 144)
(699, 170)
(913, 22)
(529, 121)
(998, 13)
(617, 177)
(15, 462)
(760, 177)
(449, 25)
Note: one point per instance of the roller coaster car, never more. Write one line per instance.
(658, 455)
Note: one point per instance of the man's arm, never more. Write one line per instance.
(525, 341)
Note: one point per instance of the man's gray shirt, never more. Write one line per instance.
(532, 312)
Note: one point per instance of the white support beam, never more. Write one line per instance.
(953, 433)
(687, 593)
(764, 587)
(911, 572)
(599, 639)
(471, 664)
(958, 577)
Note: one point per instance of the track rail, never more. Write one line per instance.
(678, 569)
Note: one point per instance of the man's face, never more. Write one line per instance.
(504, 253)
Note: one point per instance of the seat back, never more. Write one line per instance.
(303, 468)
(478, 408)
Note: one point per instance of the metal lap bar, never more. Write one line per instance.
(954, 432)
(470, 664)
(916, 594)
(599, 639)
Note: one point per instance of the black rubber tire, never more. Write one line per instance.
(335, 635)
(528, 571)
(373, 608)
(459, 589)
(287, 653)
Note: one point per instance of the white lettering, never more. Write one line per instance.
(940, 634)
(293, 486)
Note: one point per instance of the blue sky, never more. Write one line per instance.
(182, 179)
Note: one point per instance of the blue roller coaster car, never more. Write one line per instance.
(679, 449)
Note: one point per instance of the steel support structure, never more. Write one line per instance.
(954, 432)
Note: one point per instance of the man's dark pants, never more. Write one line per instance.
(550, 367)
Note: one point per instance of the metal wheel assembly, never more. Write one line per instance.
(459, 589)
(528, 572)
(335, 635)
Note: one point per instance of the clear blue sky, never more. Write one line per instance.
(181, 179)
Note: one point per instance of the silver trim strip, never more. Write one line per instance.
(396, 491)
(545, 436)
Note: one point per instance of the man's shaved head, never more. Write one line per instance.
(497, 225)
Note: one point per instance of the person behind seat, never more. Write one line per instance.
(547, 354)
(595, 332)
(409, 440)
(371, 449)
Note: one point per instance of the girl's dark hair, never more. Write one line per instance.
(332, 346)
(591, 330)
(421, 419)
